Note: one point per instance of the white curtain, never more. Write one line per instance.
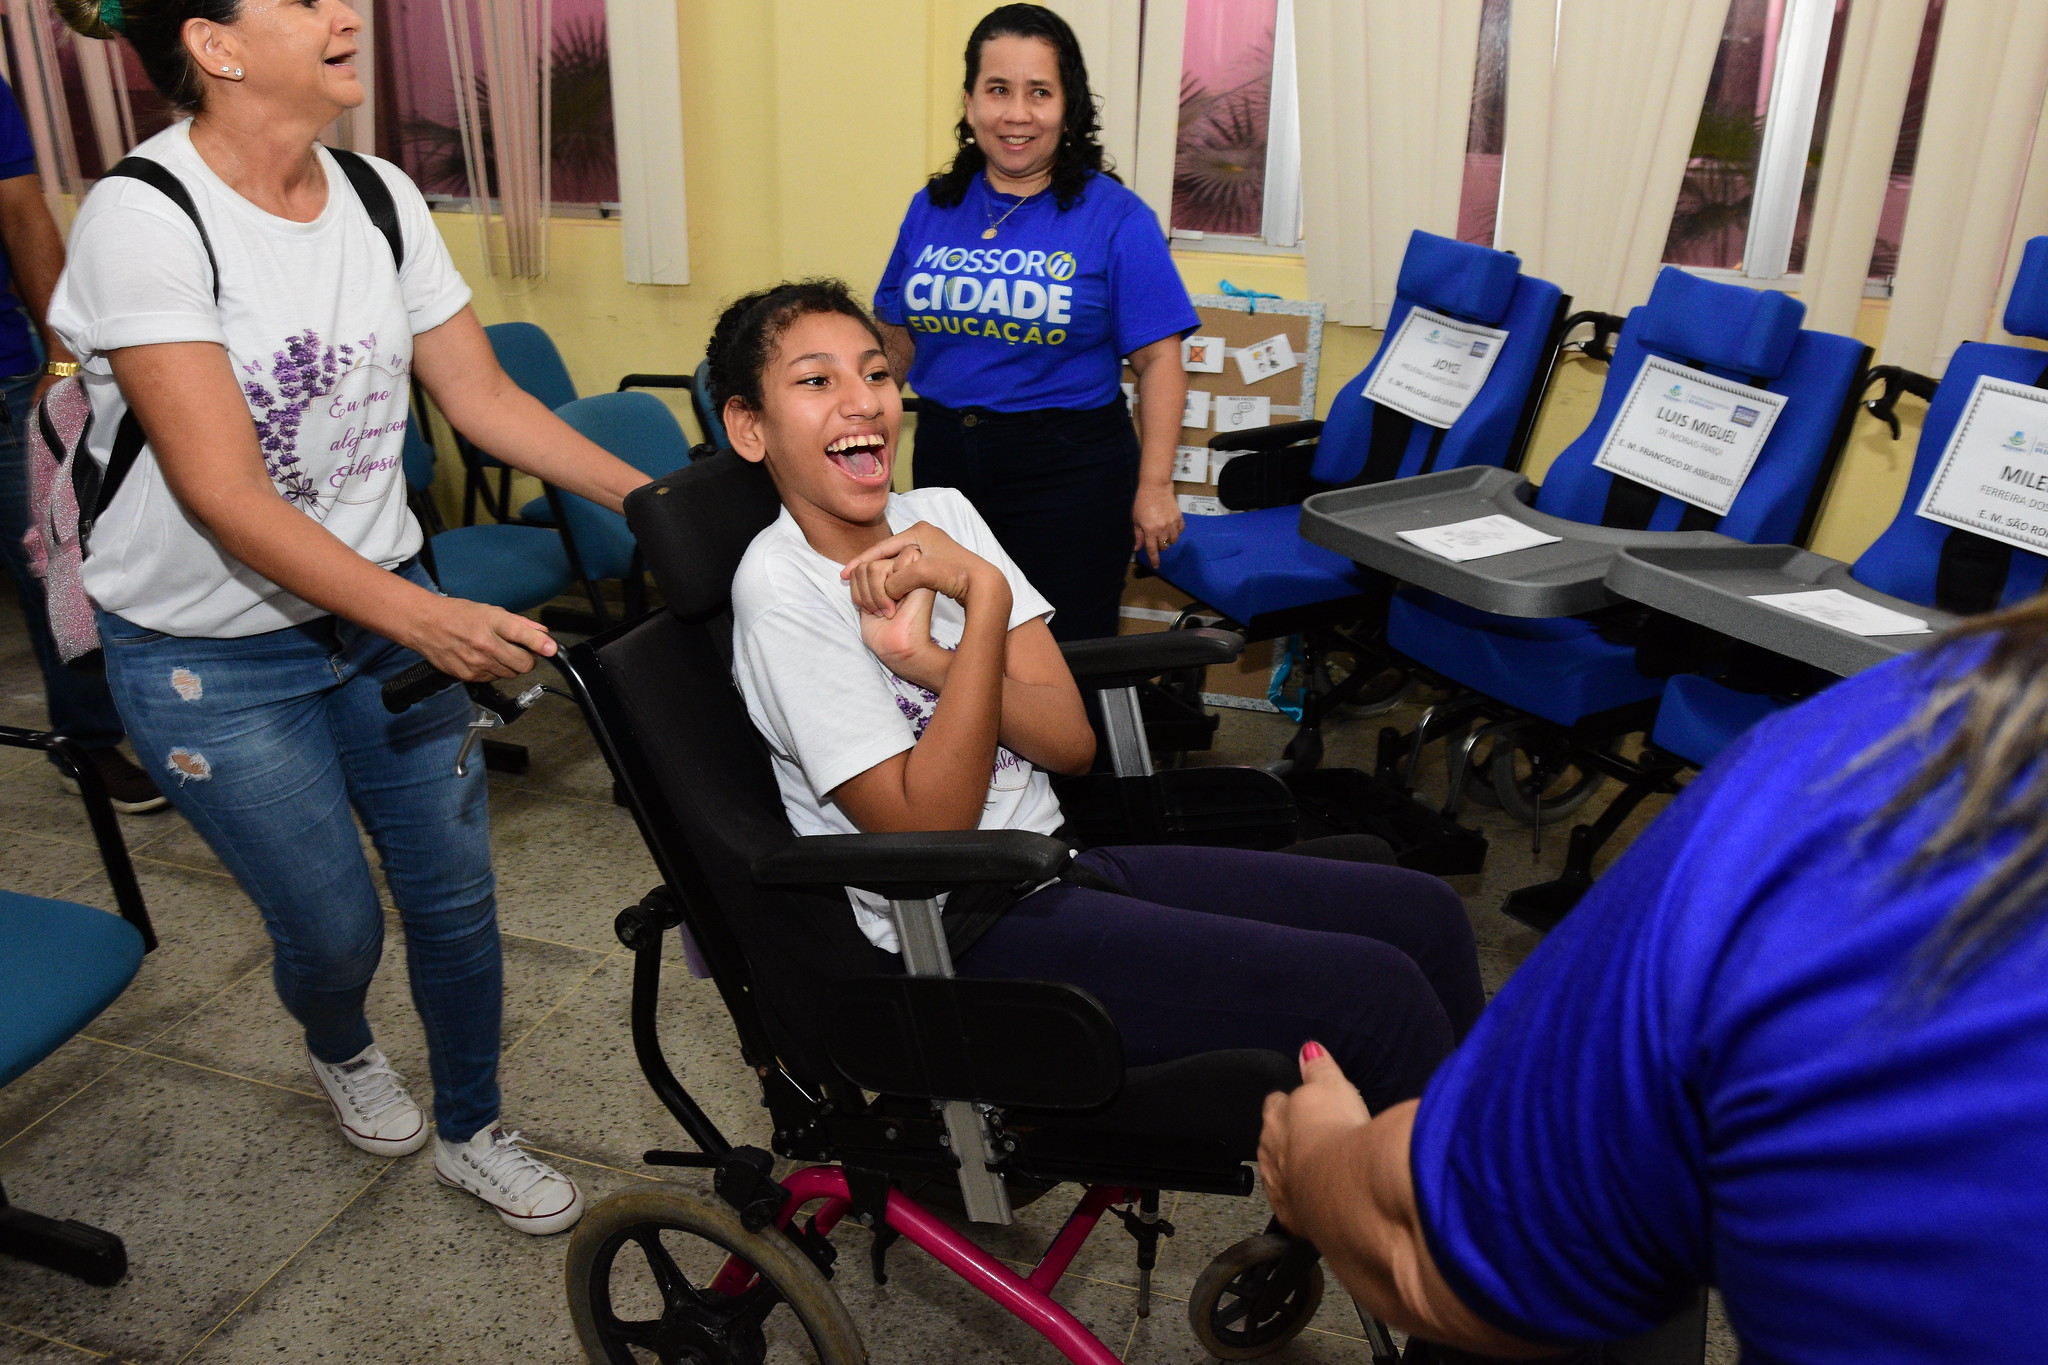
(647, 118)
(1390, 84)
(39, 85)
(516, 42)
(2030, 221)
(1603, 99)
(1151, 174)
(1984, 110)
(1876, 66)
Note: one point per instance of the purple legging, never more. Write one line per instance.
(1224, 948)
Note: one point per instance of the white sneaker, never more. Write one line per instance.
(527, 1193)
(374, 1111)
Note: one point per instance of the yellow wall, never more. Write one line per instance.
(808, 124)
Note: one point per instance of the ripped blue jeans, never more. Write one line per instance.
(266, 744)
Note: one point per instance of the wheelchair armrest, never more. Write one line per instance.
(658, 381)
(1267, 438)
(1127, 660)
(906, 867)
(1268, 478)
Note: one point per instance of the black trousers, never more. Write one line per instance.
(1056, 486)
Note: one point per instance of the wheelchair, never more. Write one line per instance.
(878, 1086)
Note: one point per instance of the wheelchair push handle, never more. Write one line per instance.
(491, 709)
(1896, 380)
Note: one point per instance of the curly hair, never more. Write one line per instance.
(156, 30)
(1079, 153)
(744, 340)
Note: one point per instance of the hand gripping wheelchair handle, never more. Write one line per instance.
(423, 680)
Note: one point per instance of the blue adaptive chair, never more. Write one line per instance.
(639, 429)
(1255, 569)
(1752, 660)
(1558, 692)
(529, 356)
(61, 964)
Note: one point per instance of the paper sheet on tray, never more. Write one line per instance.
(1478, 538)
(1833, 607)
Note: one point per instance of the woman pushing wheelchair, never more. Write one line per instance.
(903, 674)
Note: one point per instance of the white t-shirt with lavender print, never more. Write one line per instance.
(830, 709)
(318, 325)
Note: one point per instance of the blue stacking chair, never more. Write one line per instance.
(698, 385)
(510, 566)
(1255, 569)
(639, 429)
(61, 964)
(529, 355)
(1559, 692)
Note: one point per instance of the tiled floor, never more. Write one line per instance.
(183, 1119)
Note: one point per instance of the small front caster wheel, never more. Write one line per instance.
(1255, 1297)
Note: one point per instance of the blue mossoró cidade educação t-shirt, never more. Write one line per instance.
(1040, 316)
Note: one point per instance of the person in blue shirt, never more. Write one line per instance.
(1794, 1045)
(1023, 277)
(31, 258)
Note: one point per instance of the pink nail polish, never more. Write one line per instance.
(1311, 1050)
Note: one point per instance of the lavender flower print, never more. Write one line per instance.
(301, 372)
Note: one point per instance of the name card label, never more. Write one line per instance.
(1993, 478)
(1689, 434)
(1434, 366)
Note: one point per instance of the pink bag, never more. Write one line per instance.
(67, 492)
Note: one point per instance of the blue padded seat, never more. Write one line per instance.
(531, 359)
(1254, 563)
(1565, 671)
(1554, 667)
(1698, 717)
(64, 964)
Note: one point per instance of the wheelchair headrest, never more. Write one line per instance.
(1467, 281)
(2026, 312)
(695, 525)
(1749, 331)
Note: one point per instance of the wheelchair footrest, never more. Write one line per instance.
(70, 1248)
(1543, 906)
(1350, 801)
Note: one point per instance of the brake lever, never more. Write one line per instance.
(494, 711)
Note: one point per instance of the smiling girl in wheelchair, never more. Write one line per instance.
(901, 670)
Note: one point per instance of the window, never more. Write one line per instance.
(416, 119)
(1747, 196)
(1237, 84)
(1479, 201)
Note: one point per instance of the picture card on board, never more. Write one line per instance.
(1202, 355)
(1243, 413)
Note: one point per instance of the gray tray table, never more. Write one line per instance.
(1712, 586)
(1564, 578)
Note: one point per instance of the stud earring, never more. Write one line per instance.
(238, 73)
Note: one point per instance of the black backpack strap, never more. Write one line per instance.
(376, 197)
(158, 176)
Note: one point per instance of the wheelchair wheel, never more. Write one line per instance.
(1564, 788)
(662, 1277)
(1226, 1311)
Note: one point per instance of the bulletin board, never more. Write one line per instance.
(1290, 396)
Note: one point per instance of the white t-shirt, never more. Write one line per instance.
(829, 708)
(318, 325)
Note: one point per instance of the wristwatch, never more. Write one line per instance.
(61, 369)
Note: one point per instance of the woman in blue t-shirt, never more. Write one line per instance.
(1023, 276)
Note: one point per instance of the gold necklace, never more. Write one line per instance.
(995, 223)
